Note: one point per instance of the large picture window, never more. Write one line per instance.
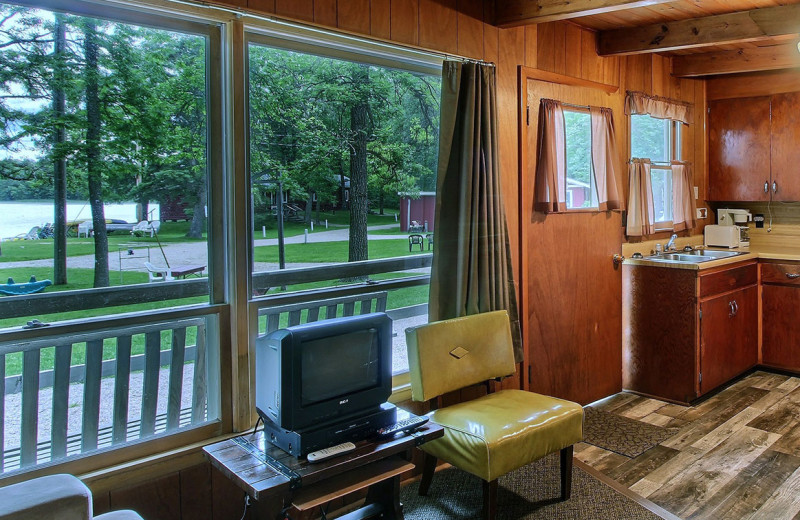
(107, 335)
(342, 164)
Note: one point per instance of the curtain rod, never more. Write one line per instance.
(572, 105)
(241, 13)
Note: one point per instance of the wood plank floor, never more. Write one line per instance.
(733, 456)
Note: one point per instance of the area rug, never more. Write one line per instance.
(619, 434)
(529, 493)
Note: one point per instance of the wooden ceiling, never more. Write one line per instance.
(705, 37)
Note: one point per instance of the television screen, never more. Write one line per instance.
(339, 365)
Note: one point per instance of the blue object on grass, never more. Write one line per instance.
(29, 287)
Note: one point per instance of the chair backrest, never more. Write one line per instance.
(446, 355)
(155, 225)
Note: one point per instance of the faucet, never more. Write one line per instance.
(671, 244)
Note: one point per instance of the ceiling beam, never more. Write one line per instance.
(774, 57)
(742, 26)
(512, 13)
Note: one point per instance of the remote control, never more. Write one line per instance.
(320, 455)
(406, 425)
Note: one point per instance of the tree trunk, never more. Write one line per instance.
(59, 162)
(93, 164)
(198, 224)
(380, 202)
(342, 187)
(359, 126)
(319, 201)
(309, 209)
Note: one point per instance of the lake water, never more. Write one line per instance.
(20, 217)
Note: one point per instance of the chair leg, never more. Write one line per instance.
(566, 473)
(428, 468)
(489, 499)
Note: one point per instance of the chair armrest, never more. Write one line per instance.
(54, 497)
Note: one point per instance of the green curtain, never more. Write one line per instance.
(471, 270)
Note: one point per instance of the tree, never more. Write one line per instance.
(93, 160)
(59, 161)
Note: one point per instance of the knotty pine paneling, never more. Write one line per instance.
(325, 12)
(380, 19)
(296, 9)
(405, 21)
(159, 499)
(470, 29)
(436, 29)
(354, 16)
(263, 6)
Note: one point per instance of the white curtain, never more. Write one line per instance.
(640, 199)
(684, 208)
(605, 159)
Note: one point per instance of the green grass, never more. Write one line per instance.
(172, 233)
(24, 250)
(333, 251)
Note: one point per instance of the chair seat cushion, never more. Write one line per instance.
(503, 431)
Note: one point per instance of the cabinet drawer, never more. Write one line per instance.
(780, 273)
(728, 279)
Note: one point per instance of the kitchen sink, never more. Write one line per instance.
(693, 257)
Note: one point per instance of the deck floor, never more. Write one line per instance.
(735, 455)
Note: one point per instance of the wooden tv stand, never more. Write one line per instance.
(277, 481)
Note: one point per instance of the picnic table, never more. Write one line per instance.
(182, 271)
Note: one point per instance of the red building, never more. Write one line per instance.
(419, 210)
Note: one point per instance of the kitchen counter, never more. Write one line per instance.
(773, 253)
(697, 266)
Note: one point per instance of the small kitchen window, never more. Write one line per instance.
(581, 189)
(658, 140)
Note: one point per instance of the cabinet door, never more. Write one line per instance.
(728, 336)
(781, 328)
(739, 149)
(785, 148)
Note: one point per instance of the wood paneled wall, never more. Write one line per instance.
(572, 293)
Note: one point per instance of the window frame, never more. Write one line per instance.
(213, 287)
(593, 196)
(675, 150)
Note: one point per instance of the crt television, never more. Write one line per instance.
(317, 373)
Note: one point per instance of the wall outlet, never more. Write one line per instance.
(702, 212)
(696, 193)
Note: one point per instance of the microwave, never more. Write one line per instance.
(727, 236)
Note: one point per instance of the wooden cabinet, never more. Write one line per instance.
(685, 332)
(780, 299)
(752, 148)
(785, 136)
(739, 149)
(728, 336)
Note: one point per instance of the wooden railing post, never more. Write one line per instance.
(30, 407)
(91, 394)
(122, 383)
(176, 378)
(61, 368)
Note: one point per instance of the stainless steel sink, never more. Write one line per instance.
(712, 254)
(693, 257)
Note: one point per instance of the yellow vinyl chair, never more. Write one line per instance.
(498, 432)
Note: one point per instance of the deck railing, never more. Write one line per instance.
(67, 400)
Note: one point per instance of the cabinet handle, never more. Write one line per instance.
(766, 186)
(774, 187)
(735, 307)
(732, 313)
(792, 276)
